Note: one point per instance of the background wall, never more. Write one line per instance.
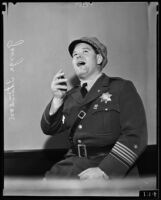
(36, 38)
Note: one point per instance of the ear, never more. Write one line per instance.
(99, 59)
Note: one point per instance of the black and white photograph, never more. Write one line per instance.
(80, 99)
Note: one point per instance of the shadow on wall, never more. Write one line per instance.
(60, 141)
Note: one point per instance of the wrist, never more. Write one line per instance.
(105, 176)
(57, 100)
(55, 105)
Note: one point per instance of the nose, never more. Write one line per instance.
(79, 55)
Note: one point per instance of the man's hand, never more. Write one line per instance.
(57, 88)
(93, 173)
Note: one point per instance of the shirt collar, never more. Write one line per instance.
(91, 82)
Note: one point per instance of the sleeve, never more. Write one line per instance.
(52, 124)
(133, 136)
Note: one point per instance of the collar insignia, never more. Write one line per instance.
(95, 107)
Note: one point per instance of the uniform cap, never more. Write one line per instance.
(95, 43)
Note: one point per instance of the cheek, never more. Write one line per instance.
(92, 61)
(74, 64)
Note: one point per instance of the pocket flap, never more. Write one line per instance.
(105, 107)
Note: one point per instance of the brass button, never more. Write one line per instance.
(80, 126)
(79, 141)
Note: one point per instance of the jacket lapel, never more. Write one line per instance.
(76, 95)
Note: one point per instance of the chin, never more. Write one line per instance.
(82, 75)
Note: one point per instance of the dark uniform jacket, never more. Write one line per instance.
(116, 118)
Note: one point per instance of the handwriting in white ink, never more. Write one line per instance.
(11, 83)
(12, 46)
(11, 97)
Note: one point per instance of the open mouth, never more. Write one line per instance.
(81, 63)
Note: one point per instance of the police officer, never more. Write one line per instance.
(103, 116)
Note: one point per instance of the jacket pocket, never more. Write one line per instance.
(103, 118)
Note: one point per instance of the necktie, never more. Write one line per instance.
(84, 90)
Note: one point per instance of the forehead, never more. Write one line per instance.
(82, 46)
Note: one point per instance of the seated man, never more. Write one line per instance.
(104, 117)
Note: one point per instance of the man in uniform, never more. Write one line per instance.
(104, 117)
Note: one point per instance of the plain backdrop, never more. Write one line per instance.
(128, 29)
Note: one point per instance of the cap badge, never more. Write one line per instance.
(105, 97)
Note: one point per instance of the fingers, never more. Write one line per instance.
(92, 173)
(84, 177)
(60, 87)
(59, 77)
(59, 84)
(84, 172)
(58, 74)
(60, 80)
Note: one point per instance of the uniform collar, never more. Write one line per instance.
(101, 85)
(91, 82)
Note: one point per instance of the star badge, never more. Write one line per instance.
(105, 97)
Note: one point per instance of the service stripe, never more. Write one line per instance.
(129, 150)
(119, 159)
(129, 155)
(122, 156)
(124, 153)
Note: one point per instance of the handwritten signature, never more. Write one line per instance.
(11, 82)
(11, 97)
(11, 45)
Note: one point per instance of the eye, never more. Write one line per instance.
(75, 54)
(85, 51)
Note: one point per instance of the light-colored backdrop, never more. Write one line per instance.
(36, 38)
